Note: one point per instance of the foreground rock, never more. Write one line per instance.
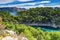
(20, 37)
(9, 38)
(11, 35)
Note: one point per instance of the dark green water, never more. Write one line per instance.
(46, 28)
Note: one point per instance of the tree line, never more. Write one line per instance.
(33, 15)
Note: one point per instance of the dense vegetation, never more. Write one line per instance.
(40, 15)
(33, 15)
(32, 33)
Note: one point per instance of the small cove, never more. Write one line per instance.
(44, 28)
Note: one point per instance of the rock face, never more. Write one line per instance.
(9, 38)
(22, 38)
(12, 38)
(8, 35)
(11, 35)
(11, 32)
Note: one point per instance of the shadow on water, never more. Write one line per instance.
(47, 28)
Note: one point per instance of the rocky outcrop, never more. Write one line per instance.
(11, 35)
(21, 37)
(9, 38)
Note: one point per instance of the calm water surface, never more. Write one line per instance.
(46, 28)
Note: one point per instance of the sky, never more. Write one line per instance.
(29, 3)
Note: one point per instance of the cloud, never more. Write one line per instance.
(23, 6)
(29, 4)
(25, 0)
(6, 1)
(53, 6)
(27, 7)
(34, 3)
(45, 1)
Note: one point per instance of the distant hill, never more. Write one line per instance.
(12, 9)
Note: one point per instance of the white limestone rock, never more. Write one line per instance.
(9, 38)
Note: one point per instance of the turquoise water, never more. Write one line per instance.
(49, 29)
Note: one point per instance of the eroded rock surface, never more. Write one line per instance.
(11, 35)
(9, 38)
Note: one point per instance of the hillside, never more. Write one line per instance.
(11, 9)
(31, 16)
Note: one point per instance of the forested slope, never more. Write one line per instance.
(33, 15)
